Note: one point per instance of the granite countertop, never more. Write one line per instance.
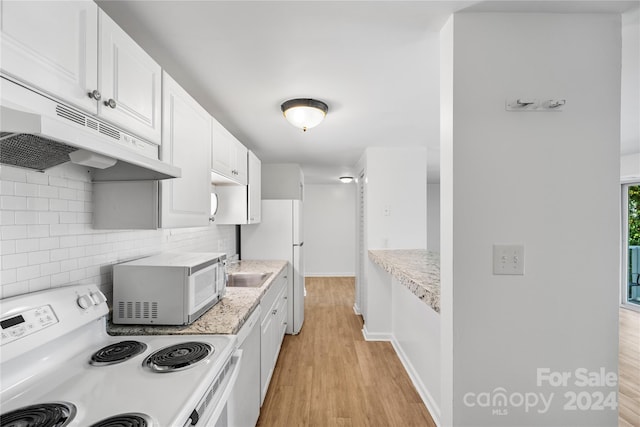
(226, 317)
(417, 269)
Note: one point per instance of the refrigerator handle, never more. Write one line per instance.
(298, 244)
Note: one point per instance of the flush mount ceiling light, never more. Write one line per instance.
(346, 179)
(304, 113)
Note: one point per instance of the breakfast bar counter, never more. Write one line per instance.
(227, 316)
(416, 269)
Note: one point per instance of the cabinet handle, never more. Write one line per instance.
(95, 94)
(111, 103)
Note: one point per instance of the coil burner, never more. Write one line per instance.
(116, 353)
(125, 420)
(178, 356)
(54, 414)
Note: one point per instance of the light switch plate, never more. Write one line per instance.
(508, 259)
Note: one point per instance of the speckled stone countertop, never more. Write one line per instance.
(226, 317)
(417, 269)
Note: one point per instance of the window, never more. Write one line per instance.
(631, 245)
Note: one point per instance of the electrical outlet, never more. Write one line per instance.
(508, 259)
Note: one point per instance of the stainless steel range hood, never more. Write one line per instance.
(39, 132)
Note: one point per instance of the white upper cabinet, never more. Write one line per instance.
(73, 51)
(129, 82)
(228, 155)
(186, 143)
(52, 45)
(240, 204)
(255, 189)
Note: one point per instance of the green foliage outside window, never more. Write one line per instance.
(634, 215)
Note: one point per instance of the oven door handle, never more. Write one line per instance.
(236, 361)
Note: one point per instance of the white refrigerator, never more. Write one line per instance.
(279, 237)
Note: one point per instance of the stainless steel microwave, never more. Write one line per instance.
(168, 289)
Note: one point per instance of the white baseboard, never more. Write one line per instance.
(426, 397)
(375, 336)
(356, 309)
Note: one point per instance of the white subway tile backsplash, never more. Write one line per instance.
(68, 194)
(14, 203)
(77, 252)
(37, 204)
(58, 205)
(9, 173)
(68, 217)
(85, 239)
(59, 254)
(49, 217)
(27, 273)
(68, 265)
(56, 181)
(38, 178)
(39, 257)
(7, 188)
(27, 245)
(24, 189)
(14, 261)
(77, 275)
(48, 192)
(48, 240)
(58, 229)
(9, 232)
(7, 247)
(47, 243)
(26, 217)
(7, 217)
(39, 284)
(60, 279)
(76, 206)
(16, 288)
(37, 231)
(50, 268)
(8, 275)
(68, 241)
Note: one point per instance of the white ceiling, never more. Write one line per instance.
(375, 63)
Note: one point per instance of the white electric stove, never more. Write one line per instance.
(59, 367)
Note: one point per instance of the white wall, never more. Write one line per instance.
(396, 198)
(433, 217)
(330, 229)
(548, 181)
(47, 239)
(282, 181)
(630, 101)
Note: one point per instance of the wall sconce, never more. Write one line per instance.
(304, 113)
(346, 179)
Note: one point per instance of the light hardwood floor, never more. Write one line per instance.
(629, 369)
(329, 376)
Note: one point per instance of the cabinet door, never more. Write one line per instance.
(240, 163)
(255, 188)
(52, 46)
(222, 152)
(266, 354)
(186, 143)
(129, 81)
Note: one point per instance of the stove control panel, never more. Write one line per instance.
(26, 323)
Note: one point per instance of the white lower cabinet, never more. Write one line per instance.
(243, 407)
(274, 318)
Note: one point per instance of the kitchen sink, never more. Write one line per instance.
(247, 280)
